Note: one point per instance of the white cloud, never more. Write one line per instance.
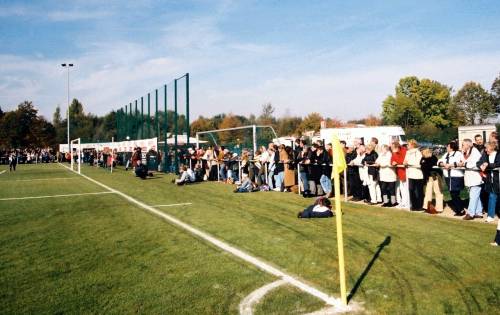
(76, 15)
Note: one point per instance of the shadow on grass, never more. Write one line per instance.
(382, 245)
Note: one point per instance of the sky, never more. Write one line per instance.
(337, 58)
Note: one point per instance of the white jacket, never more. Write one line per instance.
(452, 158)
(412, 158)
(472, 177)
(386, 173)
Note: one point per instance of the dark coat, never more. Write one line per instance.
(492, 180)
(427, 167)
(370, 159)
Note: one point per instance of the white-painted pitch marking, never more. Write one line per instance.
(56, 196)
(248, 303)
(173, 205)
(230, 249)
(2, 172)
(37, 179)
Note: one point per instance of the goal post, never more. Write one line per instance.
(78, 148)
(249, 137)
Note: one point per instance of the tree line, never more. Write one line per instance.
(427, 110)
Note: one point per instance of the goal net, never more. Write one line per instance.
(238, 138)
(76, 154)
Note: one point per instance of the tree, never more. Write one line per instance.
(311, 122)
(416, 101)
(474, 102)
(200, 124)
(230, 121)
(287, 126)
(495, 93)
(266, 116)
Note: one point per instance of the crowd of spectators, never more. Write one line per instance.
(403, 176)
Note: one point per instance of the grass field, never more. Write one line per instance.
(101, 254)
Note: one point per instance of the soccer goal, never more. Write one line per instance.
(238, 138)
(78, 148)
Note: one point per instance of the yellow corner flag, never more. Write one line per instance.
(339, 165)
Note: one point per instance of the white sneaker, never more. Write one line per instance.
(277, 189)
(489, 219)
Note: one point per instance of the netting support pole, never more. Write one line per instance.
(129, 128)
(157, 126)
(142, 117)
(176, 129)
(197, 141)
(136, 119)
(254, 137)
(165, 127)
(188, 129)
(148, 122)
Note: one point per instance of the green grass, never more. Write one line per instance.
(101, 254)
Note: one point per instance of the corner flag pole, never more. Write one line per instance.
(339, 164)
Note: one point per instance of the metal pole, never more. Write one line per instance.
(79, 155)
(188, 131)
(254, 134)
(149, 116)
(142, 117)
(69, 141)
(298, 176)
(129, 122)
(157, 127)
(175, 125)
(345, 185)
(165, 128)
(136, 119)
(266, 173)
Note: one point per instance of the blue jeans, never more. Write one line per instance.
(326, 184)
(475, 206)
(492, 203)
(270, 179)
(304, 181)
(279, 179)
(222, 172)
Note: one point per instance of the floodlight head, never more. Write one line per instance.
(128, 138)
(71, 65)
(63, 64)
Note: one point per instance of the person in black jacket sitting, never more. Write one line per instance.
(322, 208)
(141, 170)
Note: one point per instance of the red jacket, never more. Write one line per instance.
(399, 158)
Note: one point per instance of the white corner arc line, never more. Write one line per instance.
(173, 205)
(57, 196)
(230, 249)
(246, 306)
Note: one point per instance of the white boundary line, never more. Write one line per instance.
(230, 249)
(246, 306)
(36, 179)
(2, 172)
(57, 196)
(173, 205)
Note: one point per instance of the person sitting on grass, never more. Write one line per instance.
(187, 176)
(141, 170)
(322, 208)
(496, 242)
(246, 185)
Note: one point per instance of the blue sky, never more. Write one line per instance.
(338, 58)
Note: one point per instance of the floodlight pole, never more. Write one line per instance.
(68, 65)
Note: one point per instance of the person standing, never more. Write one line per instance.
(13, 161)
(414, 175)
(489, 163)
(472, 179)
(397, 159)
(373, 174)
(388, 177)
(454, 177)
(432, 178)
